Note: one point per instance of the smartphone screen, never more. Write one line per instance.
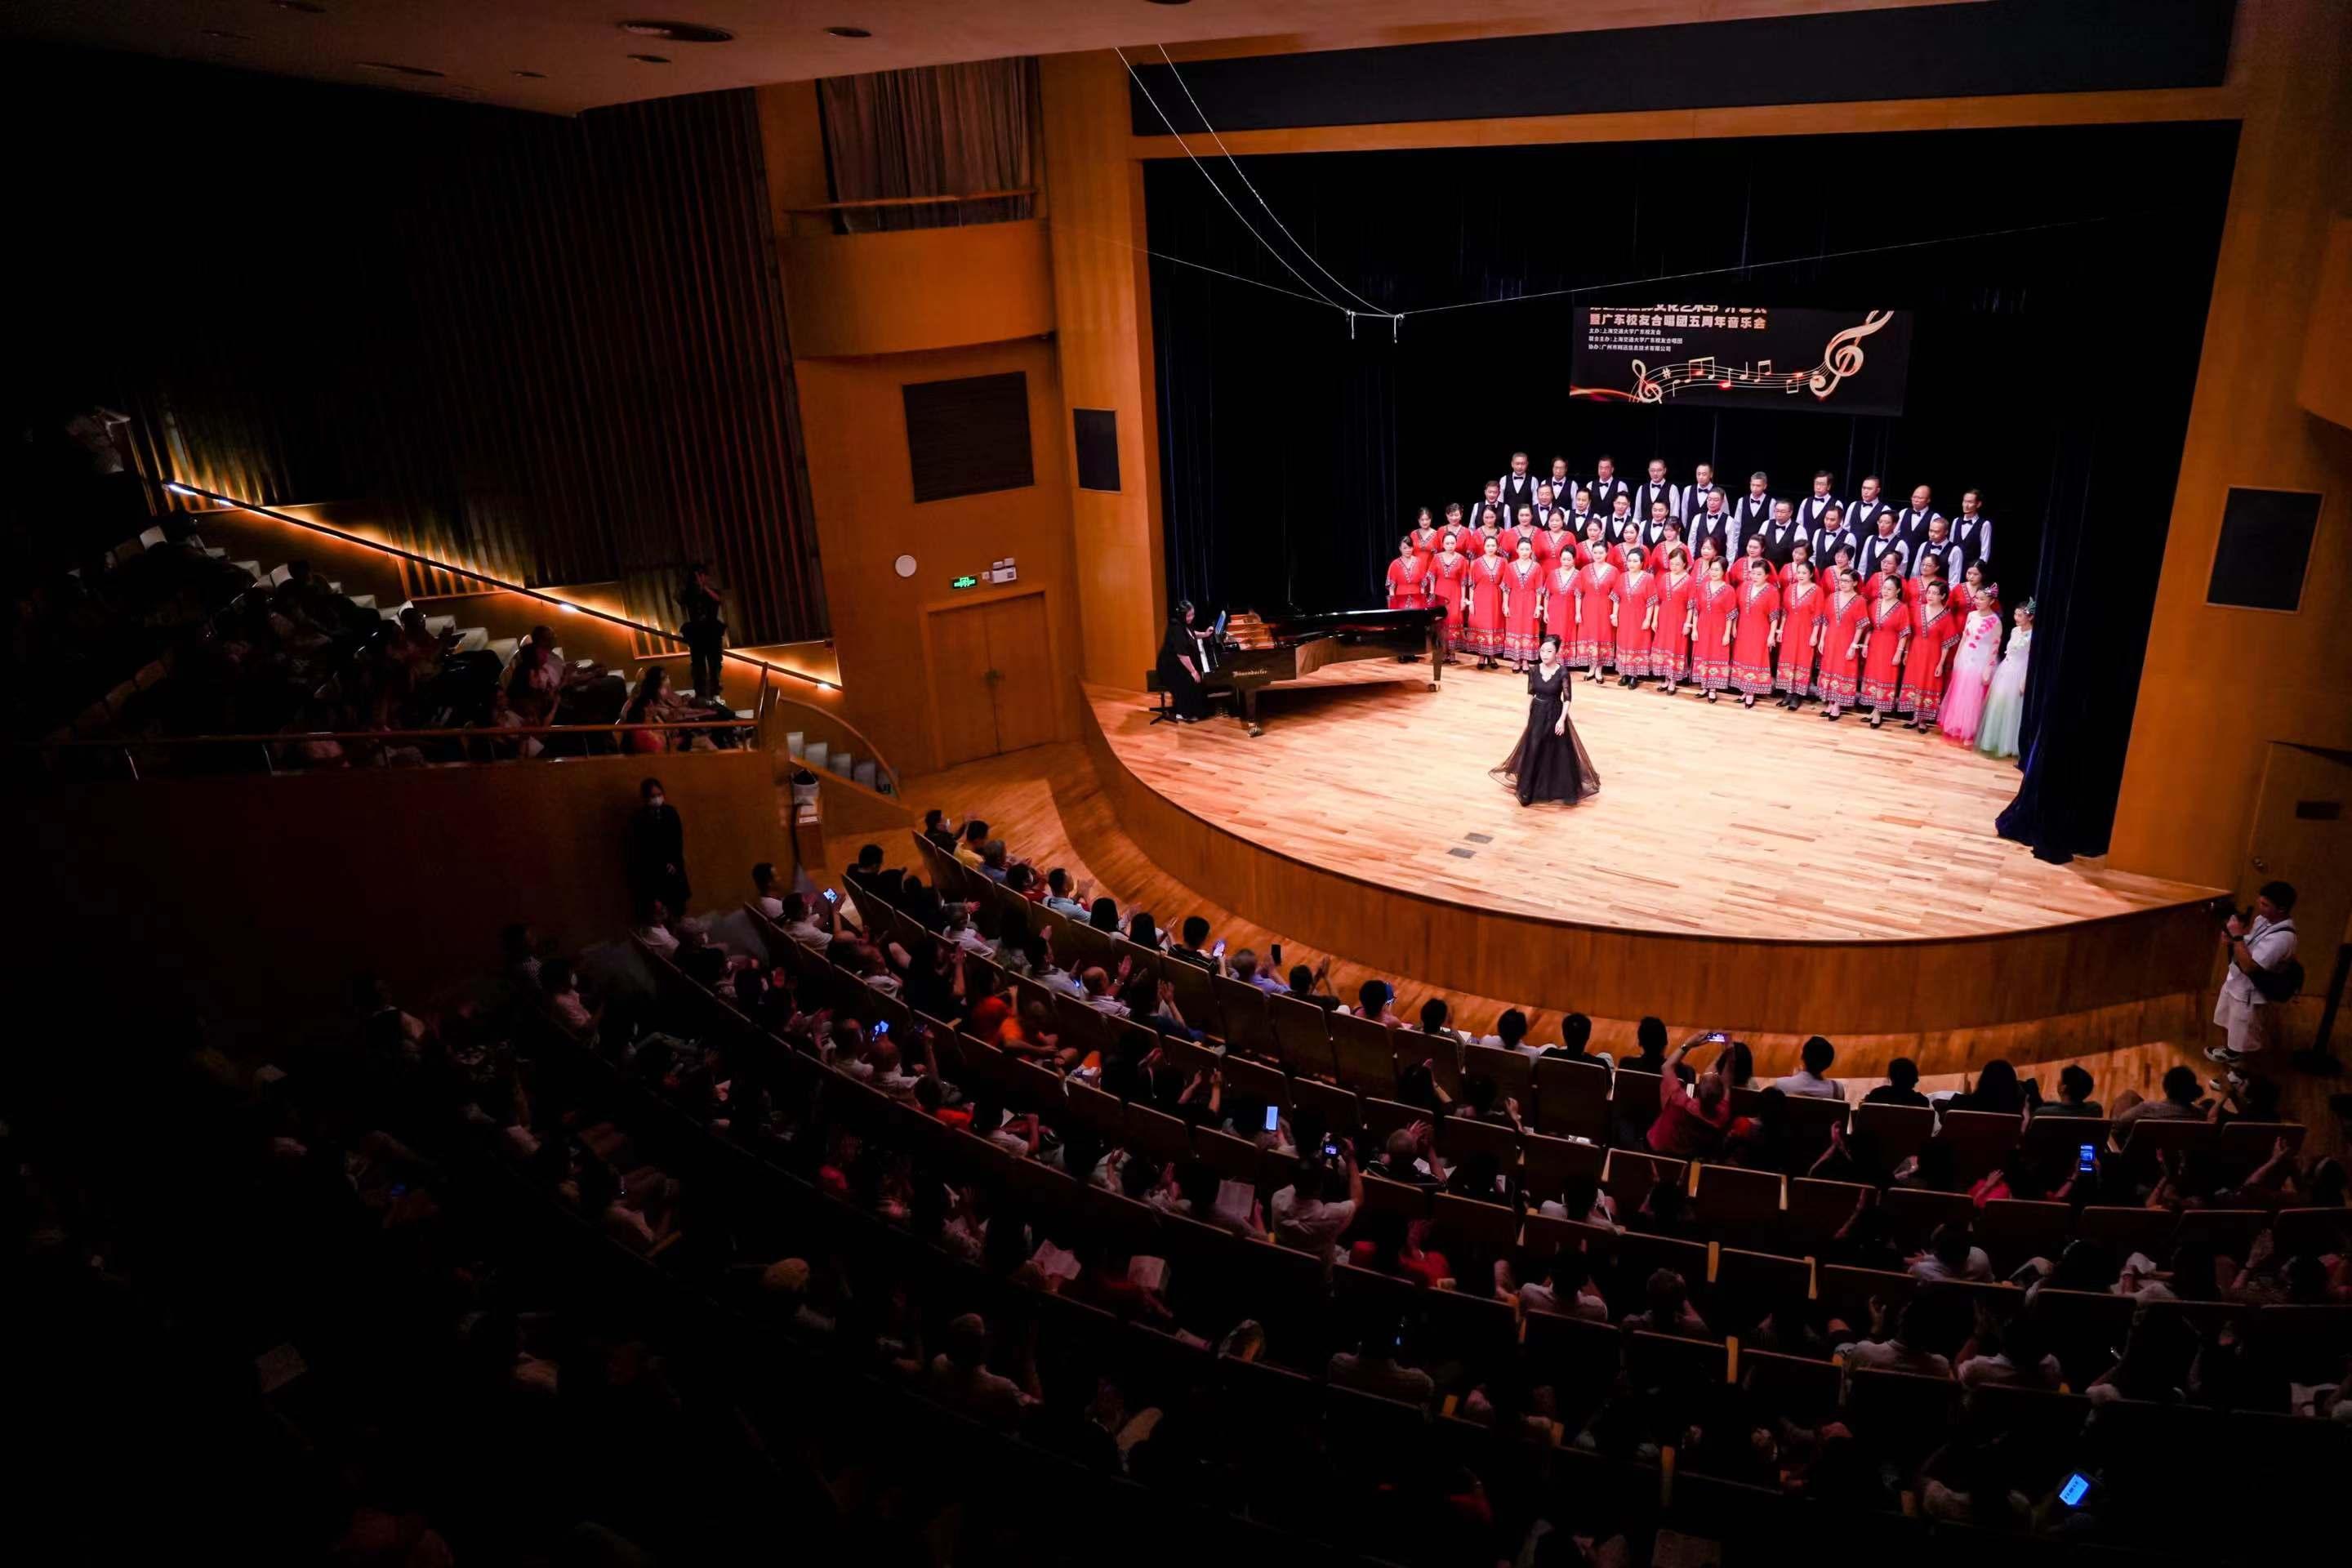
(1218, 951)
(1273, 1119)
(831, 897)
(2087, 1157)
(2075, 1488)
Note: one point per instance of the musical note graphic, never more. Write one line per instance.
(1841, 357)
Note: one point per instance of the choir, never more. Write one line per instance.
(1872, 606)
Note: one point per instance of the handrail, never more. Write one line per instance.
(499, 584)
(870, 202)
(475, 732)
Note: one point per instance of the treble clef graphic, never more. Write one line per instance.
(1844, 355)
(1644, 389)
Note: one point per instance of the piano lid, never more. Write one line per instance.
(1246, 628)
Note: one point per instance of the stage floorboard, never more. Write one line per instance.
(1746, 824)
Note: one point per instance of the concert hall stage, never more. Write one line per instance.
(1749, 869)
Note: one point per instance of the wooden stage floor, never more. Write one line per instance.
(1742, 823)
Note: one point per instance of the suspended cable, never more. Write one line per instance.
(1369, 309)
(1304, 280)
(1179, 261)
(1759, 265)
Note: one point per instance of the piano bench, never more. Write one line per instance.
(1161, 712)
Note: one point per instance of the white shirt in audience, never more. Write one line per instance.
(1310, 1224)
(1987, 1369)
(1056, 979)
(1894, 1355)
(808, 932)
(1803, 1081)
(658, 938)
(772, 908)
(1932, 1268)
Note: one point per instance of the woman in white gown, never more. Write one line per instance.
(2004, 710)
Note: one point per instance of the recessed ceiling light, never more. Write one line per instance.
(398, 69)
(305, 7)
(532, 75)
(849, 32)
(652, 59)
(224, 33)
(679, 32)
(1171, 2)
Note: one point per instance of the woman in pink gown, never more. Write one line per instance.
(1973, 668)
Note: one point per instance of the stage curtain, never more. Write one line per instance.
(553, 350)
(932, 131)
(2053, 355)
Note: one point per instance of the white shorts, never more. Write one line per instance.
(2248, 1023)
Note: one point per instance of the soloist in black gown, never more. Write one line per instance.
(1545, 766)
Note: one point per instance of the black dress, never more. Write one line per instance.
(1545, 766)
(1184, 693)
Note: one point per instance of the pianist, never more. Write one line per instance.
(1187, 655)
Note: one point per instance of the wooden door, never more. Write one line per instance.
(1021, 672)
(961, 698)
(2303, 835)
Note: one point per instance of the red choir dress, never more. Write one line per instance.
(1670, 648)
(1513, 535)
(1635, 594)
(1475, 545)
(1425, 544)
(1445, 582)
(1882, 670)
(1407, 583)
(1840, 677)
(1801, 616)
(1559, 606)
(1522, 583)
(1484, 634)
(1933, 634)
(1594, 584)
(1752, 643)
(1551, 544)
(1870, 587)
(1719, 606)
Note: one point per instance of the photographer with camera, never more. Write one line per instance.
(2263, 974)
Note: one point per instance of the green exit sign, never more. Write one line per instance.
(966, 580)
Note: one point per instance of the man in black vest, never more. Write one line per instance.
(1879, 545)
(1494, 499)
(1718, 524)
(1912, 525)
(1546, 504)
(1973, 531)
(1780, 534)
(1828, 534)
(1940, 543)
(1563, 488)
(1519, 485)
(1653, 529)
(1863, 516)
(1657, 489)
(1694, 494)
(1810, 509)
(1606, 487)
(1755, 508)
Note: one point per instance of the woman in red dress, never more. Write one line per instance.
(1845, 622)
(1559, 600)
(1800, 634)
(1971, 580)
(1449, 578)
(1931, 570)
(1522, 589)
(1670, 539)
(1593, 545)
(1935, 631)
(1715, 614)
(1670, 648)
(1890, 570)
(1749, 553)
(1629, 537)
(1635, 601)
(1555, 542)
(1484, 635)
(1759, 628)
(1490, 526)
(1527, 528)
(1425, 540)
(1799, 553)
(1595, 580)
(1408, 577)
(1890, 641)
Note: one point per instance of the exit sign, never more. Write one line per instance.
(967, 581)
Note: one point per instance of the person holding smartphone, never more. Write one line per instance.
(2259, 953)
(1693, 1118)
(1303, 1217)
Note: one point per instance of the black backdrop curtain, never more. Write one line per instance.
(2051, 366)
(553, 350)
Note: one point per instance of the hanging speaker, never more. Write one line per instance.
(1096, 430)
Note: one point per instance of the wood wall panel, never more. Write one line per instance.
(263, 896)
(906, 289)
(2219, 684)
(1947, 984)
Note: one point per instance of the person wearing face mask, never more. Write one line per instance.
(657, 850)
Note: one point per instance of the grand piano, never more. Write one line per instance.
(1259, 651)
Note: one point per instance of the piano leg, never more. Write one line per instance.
(1247, 696)
(1436, 654)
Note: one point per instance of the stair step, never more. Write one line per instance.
(472, 639)
(795, 742)
(842, 763)
(864, 772)
(436, 624)
(813, 756)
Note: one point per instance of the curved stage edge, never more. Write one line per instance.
(2120, 979)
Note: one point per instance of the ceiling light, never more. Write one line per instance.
(1171, 2)
(224, 33)
(305, 7)
(849, 32)
(679, 32)
(532, 75)
(652, 59)
(398, 69)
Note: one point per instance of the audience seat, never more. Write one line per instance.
(1549, 1163)
(2011, 1230)
(1631, 1173)
(1738, 1202)
(1364, 1054)
(1512, 1072)
(1817, 1210)
(1795, 1388)
(1898, 1131)
(1573, 1098)
(2128, 1229)
(1301, 1036)
(1240, 1012)
(1900, 1414)
(1915, 1211)
(1980, 1141)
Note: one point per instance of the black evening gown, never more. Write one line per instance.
(1185, 694)
(1545, 766)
